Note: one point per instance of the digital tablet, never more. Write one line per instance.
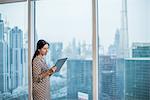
(59, 63)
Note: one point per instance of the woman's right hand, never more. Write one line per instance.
(52, 70)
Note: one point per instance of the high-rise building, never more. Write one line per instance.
(117, 38)
(107, 78)
(11, 62)
(137, 79)
(124, 41)
(7, 54)
(140, 50)
(120, 78)
(4, 85)
(113, 49)
(16, 59)
(79, 79)
(3, 67)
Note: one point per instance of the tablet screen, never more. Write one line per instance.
(59, 63)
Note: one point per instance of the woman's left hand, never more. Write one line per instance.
(54, 68)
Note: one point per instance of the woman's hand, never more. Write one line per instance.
(54, 68)
(49, 72)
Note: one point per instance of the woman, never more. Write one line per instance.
(41, 72)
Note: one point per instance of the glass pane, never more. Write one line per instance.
(124, 72)
(67, 26)
(13, 51)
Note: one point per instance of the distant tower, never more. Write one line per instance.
(117, 39)
(124, 41)
(113, 49)
(16, 59)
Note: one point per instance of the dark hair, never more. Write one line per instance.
(40, 44)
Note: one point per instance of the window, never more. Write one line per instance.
(13, 51)
(67, 26)
(124, 50)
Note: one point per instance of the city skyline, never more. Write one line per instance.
(69, 33)
(13, 63)
(104, 18)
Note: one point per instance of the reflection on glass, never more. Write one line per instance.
(67, 26)
(125, 54)
(13, 51)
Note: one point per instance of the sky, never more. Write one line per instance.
(15, 14)
(63, 20)
(138, 20)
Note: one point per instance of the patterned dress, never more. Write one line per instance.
(41, 86)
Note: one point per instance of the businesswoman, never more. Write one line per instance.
(41, 72)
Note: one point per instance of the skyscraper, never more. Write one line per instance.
(140, 50)
(11, 62)
(79, 79)
(113, 49)
(137, 73)
(124, 41)
(7, 40)
(120, 78)
(137, 79)
(3, 60)
(107, 78)
(16, 60)
(117, 38)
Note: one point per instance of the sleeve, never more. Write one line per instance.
(36, 71)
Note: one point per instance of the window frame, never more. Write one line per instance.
(11, 1)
